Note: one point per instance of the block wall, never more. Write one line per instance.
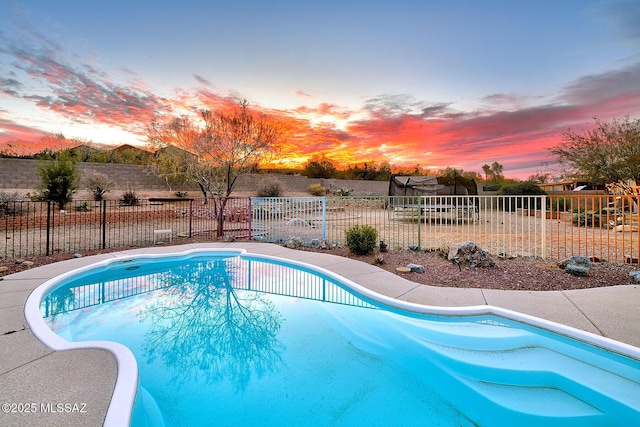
(21, 174)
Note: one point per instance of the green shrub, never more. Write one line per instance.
(524, 188)
(130, 198)
(59, 180)
(317, 190)
(561, 204)
(343, 192)
(586, 219)
(521, 188)
(361, 239)
(83, 207)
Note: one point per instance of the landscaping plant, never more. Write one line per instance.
(361, 239)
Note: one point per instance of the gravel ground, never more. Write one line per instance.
(529, 274)
(510, 274)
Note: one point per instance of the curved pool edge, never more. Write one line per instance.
(127, 377)
(120, 409)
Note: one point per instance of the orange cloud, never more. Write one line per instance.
(392, 128)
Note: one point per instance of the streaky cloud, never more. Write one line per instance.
(202, 80)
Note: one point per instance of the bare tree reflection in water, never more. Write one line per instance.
(60, 301)
(203, 328)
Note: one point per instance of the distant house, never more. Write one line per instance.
(570, 185)
(172, 150)
(128, 154)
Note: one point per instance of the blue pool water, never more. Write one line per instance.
(229, 340)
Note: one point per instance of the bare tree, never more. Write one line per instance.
(215, 150)
(607, 154)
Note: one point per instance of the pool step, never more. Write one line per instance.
(560, 386)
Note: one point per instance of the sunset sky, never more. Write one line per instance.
(440, 83)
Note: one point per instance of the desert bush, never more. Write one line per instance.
(83, 207)
(10, 204)
(343, 192)
(523, 189)
(586, 219)
(130, 198)
(361, 239)
(99, 184)
(59, 180)
(317, 190)
(270, 188)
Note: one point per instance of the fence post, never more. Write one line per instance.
(250, 213)
(48, 227)
(191, 218)
(103, 225)
(543, 215)
(324, 218)
(420, 222)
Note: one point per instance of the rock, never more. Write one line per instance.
(293, 243)
(576, 260)
(415, 268)
(414, 248)
(577, 270)
(3, 269)
(468, 253)
(503, 255)
(379, 260)
(325, 245)
(77, 255)
(576, 265)
(635, 276)
(314, 243)
(403, 270)
(27, 263)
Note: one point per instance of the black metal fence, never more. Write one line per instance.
(31, 229)
(599, 226)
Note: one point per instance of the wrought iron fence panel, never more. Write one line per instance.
(279, 219)
(603, 227)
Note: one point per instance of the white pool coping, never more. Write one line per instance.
(121, 406)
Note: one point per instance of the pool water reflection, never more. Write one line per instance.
(224, 339)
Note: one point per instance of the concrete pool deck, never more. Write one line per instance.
(42, 387)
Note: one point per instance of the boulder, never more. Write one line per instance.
(576, 265)
(468, 253)
(415, 268)
(294, 243)
(635, 276)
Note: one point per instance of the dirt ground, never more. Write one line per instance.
(520, 273)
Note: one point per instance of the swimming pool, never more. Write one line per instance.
(284, 343)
